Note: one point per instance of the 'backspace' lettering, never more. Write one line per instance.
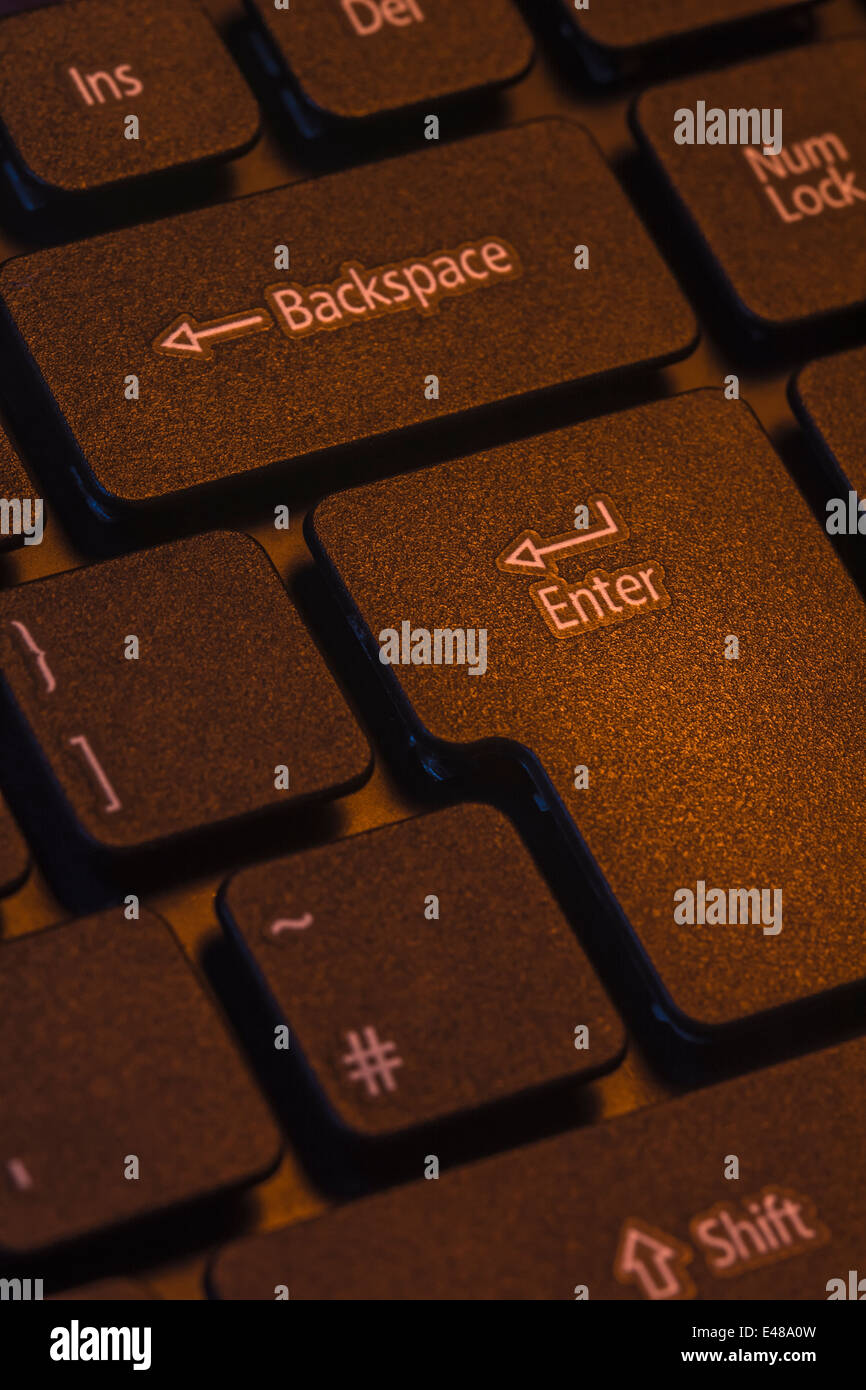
(359, 294)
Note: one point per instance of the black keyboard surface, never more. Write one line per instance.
(432, 637)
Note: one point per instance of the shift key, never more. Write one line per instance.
(292, 323)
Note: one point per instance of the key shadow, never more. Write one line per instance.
(323, 144)
(819, 476)
(39, 219)
(147, 1243)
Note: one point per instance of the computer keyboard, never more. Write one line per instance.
(432, 645)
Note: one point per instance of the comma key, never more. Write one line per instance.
(353, 59)
(451, 899)
(152, 1106)
(376, 324)
(672, 754)
(173, 691)
(97, 93)
(635, 1208)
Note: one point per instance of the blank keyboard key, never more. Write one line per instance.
(74, 74)
(687, 668)
(787, 231)
(175, 689)
(14, 854)
(828, 397)
(622, 25)
(359, 58)
(121, 1092)
(242, 367)
(423, 969)
(636, 1208)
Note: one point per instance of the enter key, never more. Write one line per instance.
(679, 662)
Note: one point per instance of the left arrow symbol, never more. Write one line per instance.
(186, 337)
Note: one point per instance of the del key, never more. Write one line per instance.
(347, 308)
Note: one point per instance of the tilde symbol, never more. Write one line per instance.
(290, 924)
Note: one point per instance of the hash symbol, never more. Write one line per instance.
(372, 1061)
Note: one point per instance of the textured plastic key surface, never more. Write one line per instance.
(359, 58)
(228, 686)
(735, 773)
(14, 854)
(478, 1003)
(112, 1049)
(633, 1208)
(623, 24)
(71, 74)
(829, 397)
(227, 397)
(787, 231)
(14, 486)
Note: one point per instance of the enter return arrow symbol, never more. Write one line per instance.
(528, 552)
